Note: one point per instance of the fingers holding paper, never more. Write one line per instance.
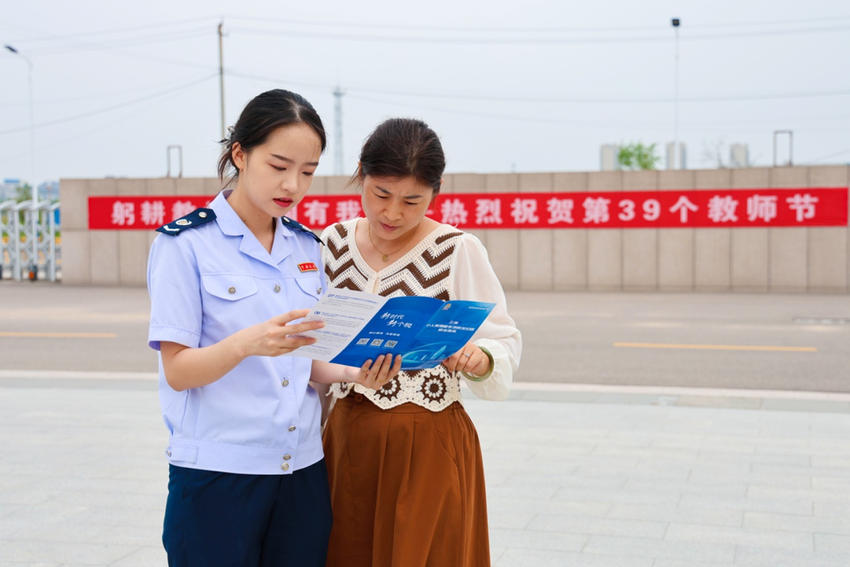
(469, 359)
(375, 375)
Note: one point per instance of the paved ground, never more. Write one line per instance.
(578, 474)
(568, 338)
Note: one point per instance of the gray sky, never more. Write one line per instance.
(509, 86)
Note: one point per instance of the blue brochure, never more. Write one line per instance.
(361, 326)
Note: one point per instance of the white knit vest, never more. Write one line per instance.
(423, 271)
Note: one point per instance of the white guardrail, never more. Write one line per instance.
(30, 248)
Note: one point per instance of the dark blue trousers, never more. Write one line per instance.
(215, 519)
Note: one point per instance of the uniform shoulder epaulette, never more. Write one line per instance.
(295, 225)
(193, 220)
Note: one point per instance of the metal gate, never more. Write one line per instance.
(29, 249)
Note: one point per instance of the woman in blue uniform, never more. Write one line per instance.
(228, 284)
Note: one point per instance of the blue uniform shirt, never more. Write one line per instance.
(206, 284)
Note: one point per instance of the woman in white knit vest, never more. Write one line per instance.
(404, 461)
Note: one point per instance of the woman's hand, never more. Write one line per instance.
(375, 375)
(278, 335)
(187, 368)
(469, 359)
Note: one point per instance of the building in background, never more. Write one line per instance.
(739, 155)
(608, 157)
(683, 156)
(8, 189)
(48, 191)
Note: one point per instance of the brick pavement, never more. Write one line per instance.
(577, 475)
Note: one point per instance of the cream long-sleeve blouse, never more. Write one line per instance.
(447, 264)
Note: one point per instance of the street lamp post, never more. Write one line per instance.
(32, 123)
(676, 159)
(33, 184)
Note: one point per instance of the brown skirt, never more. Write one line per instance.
(407, 487)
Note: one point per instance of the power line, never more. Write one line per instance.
(554, 100)
(525, 40)
(465, 29)
(367, 26)
(836, 154)
(120, 43)
(483, 29)
(108, 109)
(766, 33)
(98, 129)
(168, 60)
(54, 37)
(94, 47)
(502, 116)
(195, 32)
(267, 79)
(771, 22)
(600, 100)
(134, 90)
(613, 124)
(784, 119)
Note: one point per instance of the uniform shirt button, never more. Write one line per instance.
(168, 453)
(231, 290)
(284, 467)
(287, 456)
(285, 383)
(202, 214)
(318, 291)
(276, 288)
(292, 428)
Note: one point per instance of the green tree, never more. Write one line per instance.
(638, 156)
(23, 193)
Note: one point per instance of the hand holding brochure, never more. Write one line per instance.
(361, 326)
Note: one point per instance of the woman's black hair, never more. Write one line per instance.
(261, 116)
(403, 147)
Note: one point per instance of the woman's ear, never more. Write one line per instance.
(358, 178)
(238, 156)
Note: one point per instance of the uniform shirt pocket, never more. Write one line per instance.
(303, 292)
(312, 286)
(229, 288)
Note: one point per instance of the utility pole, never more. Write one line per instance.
(790, 134)
(338, 162)
(221, 77)
(676, 158)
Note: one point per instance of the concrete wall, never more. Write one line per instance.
(709, 259)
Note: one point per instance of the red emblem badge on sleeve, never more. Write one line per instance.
(308, 267)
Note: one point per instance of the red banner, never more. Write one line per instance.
(140, 213)
(627, 209)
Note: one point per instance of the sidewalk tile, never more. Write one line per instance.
(538, 558)
(661, 549)
(670, 514)
(832, 543)
(736, 536)
(600, 526)
(762, 556)
(791, 523)
(546, 541)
